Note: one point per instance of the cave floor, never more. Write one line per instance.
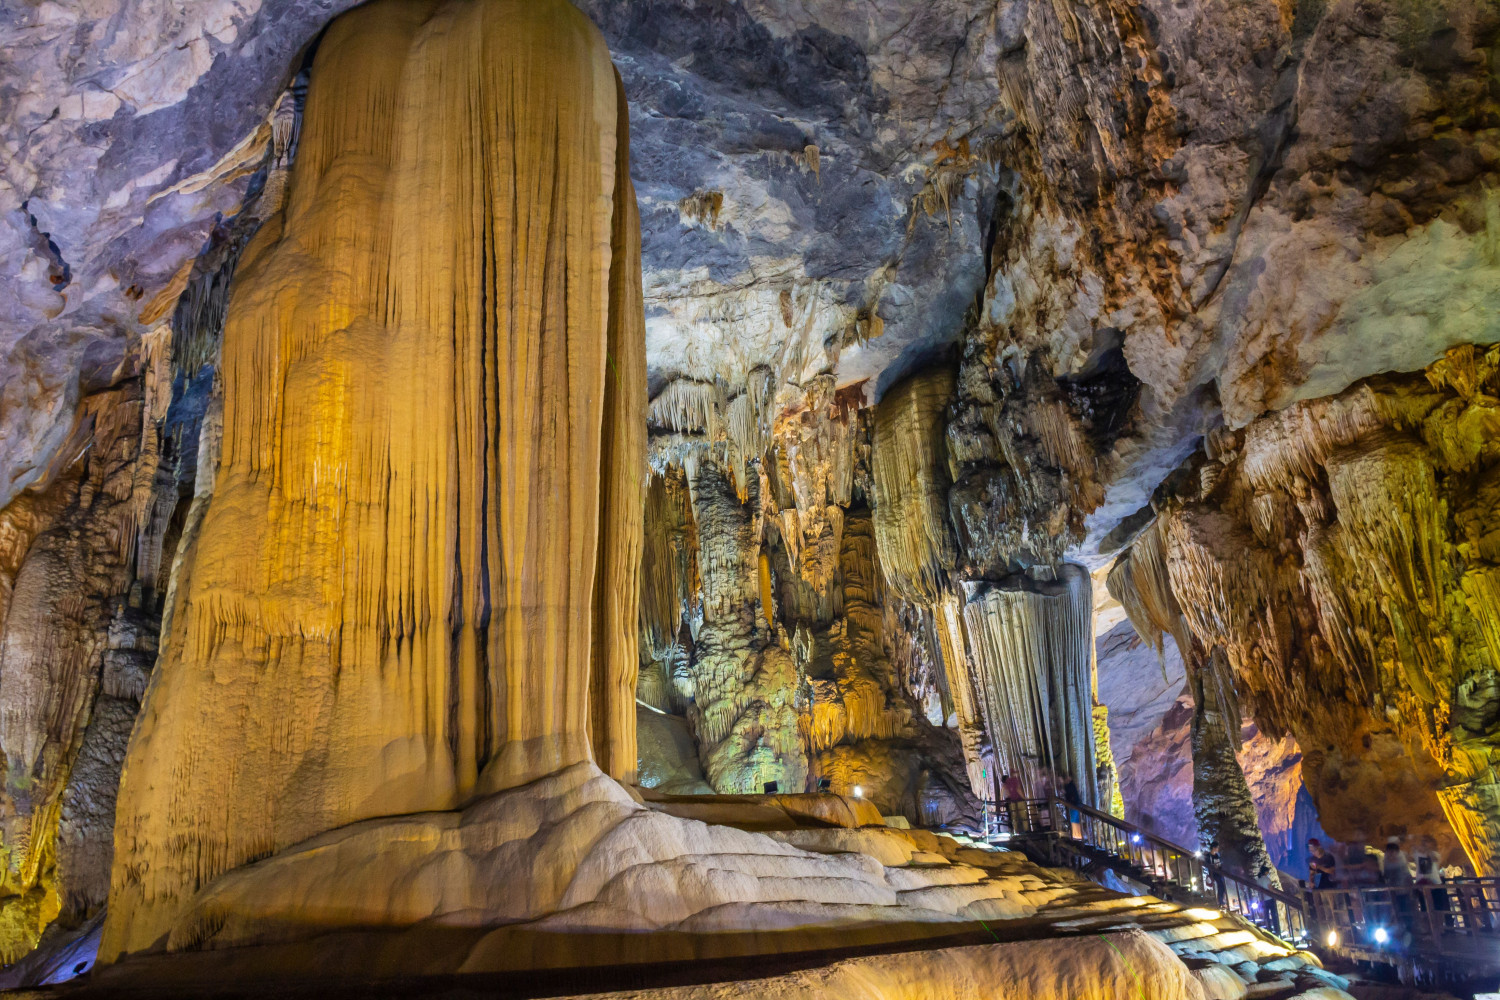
(1218, 951)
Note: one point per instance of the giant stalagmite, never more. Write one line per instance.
(415, 581)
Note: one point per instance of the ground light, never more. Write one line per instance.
(1381, 935)
(1332, 939)
(859, 792)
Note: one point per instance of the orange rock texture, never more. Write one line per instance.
(415, 581)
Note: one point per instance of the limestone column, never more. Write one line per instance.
(745, 686)
(415, 581)
(1222, 801)
(1034, 675)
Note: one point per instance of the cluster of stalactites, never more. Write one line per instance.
(691, 420)
(1343, 552)
(1033, 653)
(808, 483)
(860, 699)
(1140, 581)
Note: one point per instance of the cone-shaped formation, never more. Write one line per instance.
(415, 581)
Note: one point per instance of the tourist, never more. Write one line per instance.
(1428, 865)
(1321, 865)
(1074, 800)
(1357, 868)
(1395, 870)
(1012, 801)
(1211, 855)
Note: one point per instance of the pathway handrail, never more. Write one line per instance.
(1454, 920)
(1164, 861)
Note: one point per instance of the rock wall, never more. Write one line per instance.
(78, 634)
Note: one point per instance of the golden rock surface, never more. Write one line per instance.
(415, 581)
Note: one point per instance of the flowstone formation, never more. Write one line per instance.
(1337, 557)
(415, 579)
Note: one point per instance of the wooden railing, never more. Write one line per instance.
(1457, 922)
(1169, 870)
(1449, 930)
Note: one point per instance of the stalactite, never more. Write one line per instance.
(1142, 584)
(909, 466)
(1033, 665)
(419, 529)
(669, 564)
(959, 669)
(913, 647)
(686, 406)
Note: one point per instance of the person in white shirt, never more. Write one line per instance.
(1428, 865)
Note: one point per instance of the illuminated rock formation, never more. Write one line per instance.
(745, 687)
(910, 471)
(910, 479)
(71, 674)
(1336, 552)
(1016, 625)
(1033, 652)
(414, 582)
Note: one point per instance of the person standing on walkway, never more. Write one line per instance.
(1074, 800)
(1014, 798)
(1395, 870)
(1215, 862)
(1428, 866)
(1321, 865)
(1357, 869)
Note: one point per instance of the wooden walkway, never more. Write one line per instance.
(1427, 933)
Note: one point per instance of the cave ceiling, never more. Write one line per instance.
(1254, 204)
